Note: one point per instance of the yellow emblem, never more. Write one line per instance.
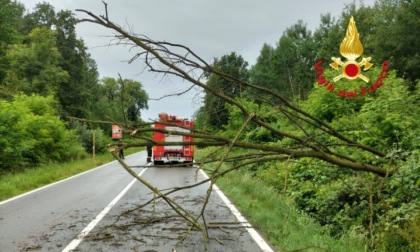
(351, 48)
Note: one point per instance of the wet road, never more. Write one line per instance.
(88, 212)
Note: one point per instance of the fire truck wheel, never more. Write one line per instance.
(188, 163)
(157, 162)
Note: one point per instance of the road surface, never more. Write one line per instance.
(89, 212)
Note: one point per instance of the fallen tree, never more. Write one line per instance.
(179, 61)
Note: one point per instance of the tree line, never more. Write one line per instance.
(47, 72)
(389, 30)
(381, 210)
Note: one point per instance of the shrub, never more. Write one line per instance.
(86, 137)
(32, 133)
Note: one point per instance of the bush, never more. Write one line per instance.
(32, 133)
(86, 137)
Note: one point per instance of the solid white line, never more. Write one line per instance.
(254, 234)
(55, 183)
(73, 244)
(58, 182)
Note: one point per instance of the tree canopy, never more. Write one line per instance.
(42, 58)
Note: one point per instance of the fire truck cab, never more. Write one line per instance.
(178, 149)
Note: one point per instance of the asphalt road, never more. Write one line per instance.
(89, 212)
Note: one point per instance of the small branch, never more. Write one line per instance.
(176, 94)
(122, 98)
(175, 206)
(106, 10)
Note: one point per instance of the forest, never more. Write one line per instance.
(47, 78)
(349, 161)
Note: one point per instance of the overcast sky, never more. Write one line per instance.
(211, 28)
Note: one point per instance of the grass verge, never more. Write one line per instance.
(276, 218)
(13, 184)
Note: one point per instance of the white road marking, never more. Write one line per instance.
(58, 182)
(73, 244)
(55, 183)
(254, 234)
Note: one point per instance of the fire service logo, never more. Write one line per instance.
(351, 48)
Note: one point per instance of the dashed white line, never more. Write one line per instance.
(73, 244)
(254, 234)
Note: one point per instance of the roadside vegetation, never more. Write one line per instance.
(380, 210)
(278, 219)
(48, 81)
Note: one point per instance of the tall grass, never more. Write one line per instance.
(12, 184)
(278, 220)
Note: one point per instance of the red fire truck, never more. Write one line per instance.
(173, 153)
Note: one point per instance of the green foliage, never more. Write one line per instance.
(121, 100)
(86, 137)
(396, 37)
(34, 68)
(251, 133)
(392, 115)
(328, 106)
(81, 78)
(327, 37)
(285, 68)
(389, 31)
(42, 56)
(277, 218)
(339, 199)
(10, 18)
(291, 59)
(33, 134)
(342, 200)
(411, 232)
(236, 119)
(42, 16)
(214, 113)
(262, 73)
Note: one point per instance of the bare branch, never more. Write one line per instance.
(307, 137)
(170, 95)
(106, 10)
